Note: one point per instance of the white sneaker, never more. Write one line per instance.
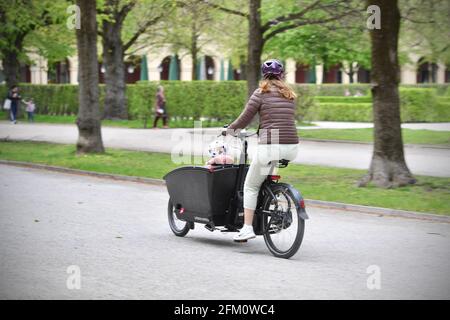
(246, 233)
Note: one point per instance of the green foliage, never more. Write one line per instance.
(305, 99)
(361, 112)
(339, 89)
(53, 99)
(223, 101)
(426, 23)
(40, 25)
(140, 99)
(313, 44)
(339, 99)
(441, 88)
(194, 99)
(417, 105)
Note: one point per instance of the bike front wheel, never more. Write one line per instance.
(283, 227)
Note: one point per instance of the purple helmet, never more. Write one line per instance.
(272, 67)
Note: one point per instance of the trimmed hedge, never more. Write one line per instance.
(441, 88)
(224, 100)
(339, 99)
(339, 89)
(417, 105)
(361, 112)
(190, 99)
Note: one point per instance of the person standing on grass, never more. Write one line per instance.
(15, 98)
(30, 108)
(160, 108)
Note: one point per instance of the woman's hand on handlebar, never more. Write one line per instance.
(224, 131)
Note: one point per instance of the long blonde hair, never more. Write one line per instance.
(282, 87)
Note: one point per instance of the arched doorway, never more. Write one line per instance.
(58, 72)
(426, 71)
(210, 68)
(301, 73)
(237, 74)
(164, 68)
(132, 69)
(363, 75)
(333, 74)
(24, 73)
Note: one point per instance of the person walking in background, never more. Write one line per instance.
(15, 98)
(30, 108)
(160, 108)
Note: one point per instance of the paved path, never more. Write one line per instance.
(423, 161)
(117, 234)
(441, 126)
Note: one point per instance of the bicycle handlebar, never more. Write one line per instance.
(241, 134)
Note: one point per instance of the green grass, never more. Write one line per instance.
(134, 124)
(366, 135)
(315, 182)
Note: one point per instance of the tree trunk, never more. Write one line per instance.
(11, 62)
(88, 120)
(11, 68)
(388, 167)
(351, 73)
(113, 60)
(194, 51)
(255, 46)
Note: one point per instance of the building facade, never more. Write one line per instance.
(214, 65)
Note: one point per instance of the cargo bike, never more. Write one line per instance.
(213, 196)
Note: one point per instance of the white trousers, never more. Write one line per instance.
(260, 167)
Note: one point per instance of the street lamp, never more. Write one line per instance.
(102, 69)
(210, 70)
(130, 69)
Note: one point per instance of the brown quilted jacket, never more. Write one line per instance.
(276, 116)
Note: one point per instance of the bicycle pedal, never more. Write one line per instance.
(273, 230)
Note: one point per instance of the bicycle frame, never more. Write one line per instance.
(236, 204)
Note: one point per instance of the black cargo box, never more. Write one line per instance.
(204, 194)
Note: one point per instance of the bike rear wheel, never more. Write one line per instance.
(283, 227)
(179, 227)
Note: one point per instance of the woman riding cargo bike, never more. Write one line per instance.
(216, 195)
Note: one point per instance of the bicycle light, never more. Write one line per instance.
(302, 204)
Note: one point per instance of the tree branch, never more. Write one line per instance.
(289, 17)
(216, 6)
(124, 11)
(417, 21)
(303, 23)
(140, 31)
